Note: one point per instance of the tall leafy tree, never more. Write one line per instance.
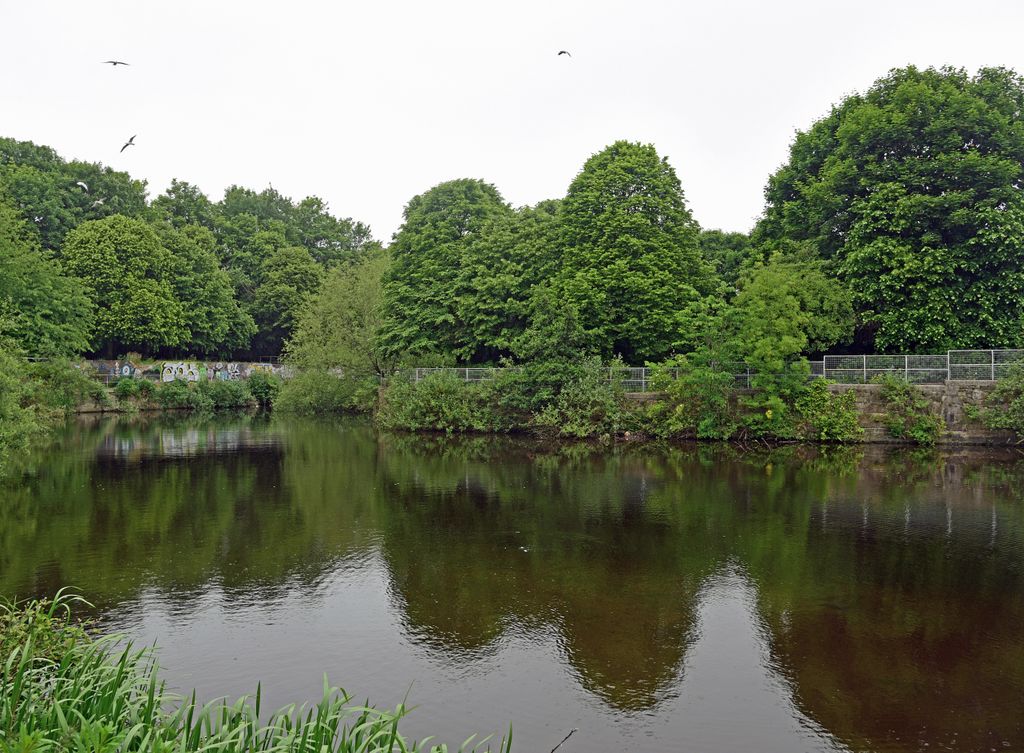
(501, 265)
(913, 190)
(42, 310)
(184, 204)
(216, 322)
(726, 252)
(421, 288)
(338, 326)
(287, 277)
(128, 275)
(630, 257)
(48, 193)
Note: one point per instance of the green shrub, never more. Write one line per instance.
(42, 627)
(264, 387)
(826, 416)
(223, 394)
(440, 401)
(173, 395)
(64, 386)
(587, 405)
(318, 392)
(145, 388)
(125, 389)
(21, 418)
(908, 413)
(1004, 406)
(698, 401)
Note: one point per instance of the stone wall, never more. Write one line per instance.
(187, 370)
(948, 400)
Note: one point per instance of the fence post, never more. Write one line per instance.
(864, 369)
(949, 375)
(906, 368)
(643, 379)
(992, 358)
(467, 375)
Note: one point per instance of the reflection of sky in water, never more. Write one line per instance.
(676, 599)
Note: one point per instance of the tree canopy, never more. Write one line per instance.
(912, 191)
(128, 276)
(421, 287)
(630, 261)
(42, 310)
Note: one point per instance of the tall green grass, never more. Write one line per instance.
(62, 690)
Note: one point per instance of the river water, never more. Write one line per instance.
(657, 599)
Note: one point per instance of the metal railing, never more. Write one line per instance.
(952, 366)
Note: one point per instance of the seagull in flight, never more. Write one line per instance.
(115, 63)
(97, 203)
(130, 142)
(564, 52)
(83, 184)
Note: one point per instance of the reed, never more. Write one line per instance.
(64, 690)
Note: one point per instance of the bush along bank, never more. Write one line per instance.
(259, 390)
(63, 689)
(695, 400)
(560, 400)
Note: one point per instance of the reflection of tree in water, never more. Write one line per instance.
(891, 585)
(504, 542)
(898, 616)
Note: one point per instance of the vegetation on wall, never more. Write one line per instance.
(909, 415)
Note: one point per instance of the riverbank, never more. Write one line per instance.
(558, 401)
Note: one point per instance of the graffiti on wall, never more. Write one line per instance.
(189, 371)
(193, 371)
(186, 370)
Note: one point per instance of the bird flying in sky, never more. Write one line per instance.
(565, 52)
(116, 63)
(130, 142)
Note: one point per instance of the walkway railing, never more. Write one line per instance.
(952, 366)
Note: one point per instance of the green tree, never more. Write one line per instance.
(338, 327)
(501, 264)
(287, 277)
(184, 204)
(214, 319)
(631, 261)
(421, 287)
(127, 274)
(912, 190)
(785, 308)
(726, 252)
(49, 192)
(43, 311)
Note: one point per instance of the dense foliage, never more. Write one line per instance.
(909, 415)
(630, 261)
(96, 269)
(897, 223)
(912, 191)
(1004, 407)
(42, 309)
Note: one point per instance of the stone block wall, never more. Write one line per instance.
(948, 400)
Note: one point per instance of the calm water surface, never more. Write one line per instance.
(674, 599)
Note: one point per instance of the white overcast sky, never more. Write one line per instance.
(366, 104)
